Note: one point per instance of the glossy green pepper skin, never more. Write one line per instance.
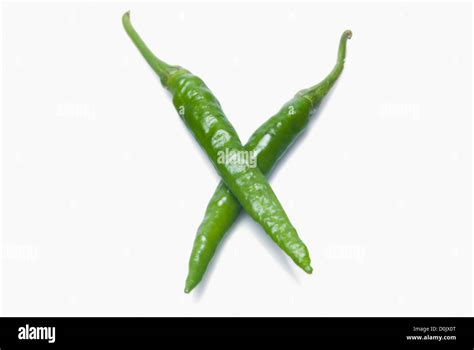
(269, 141)
(202, 114)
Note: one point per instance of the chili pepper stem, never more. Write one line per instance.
(163, 69)
(324, 86)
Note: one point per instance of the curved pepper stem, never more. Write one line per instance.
(163, 69)
(315, 92)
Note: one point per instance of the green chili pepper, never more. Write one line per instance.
(202, 114)
(269, 142)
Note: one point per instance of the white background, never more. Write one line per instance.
(104, 188)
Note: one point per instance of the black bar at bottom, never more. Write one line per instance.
(449, 333)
